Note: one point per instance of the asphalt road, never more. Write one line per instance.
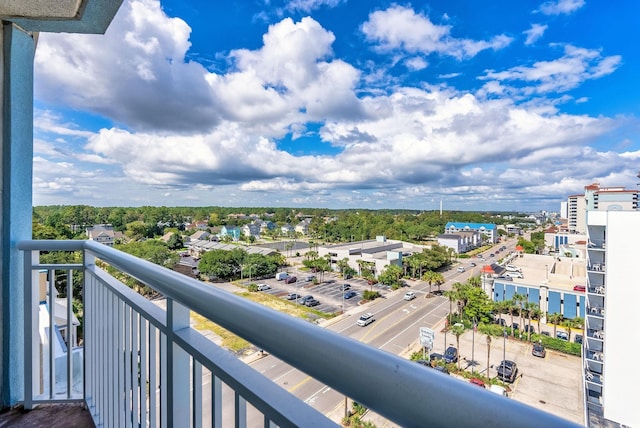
(552, 384)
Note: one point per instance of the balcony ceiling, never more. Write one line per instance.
(60, 16)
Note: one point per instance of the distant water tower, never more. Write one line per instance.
(441, 203)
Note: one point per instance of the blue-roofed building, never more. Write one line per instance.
(489, 230)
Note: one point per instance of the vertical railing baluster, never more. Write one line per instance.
(128, 363)
(240, 407)
(32, 367)
(178, 359)
(135, 375)
(144, 366)
(153, 376)
(216, 401)
(197, 394)
(119, 363)
(52, 322)
(69, 332)
(164, 382)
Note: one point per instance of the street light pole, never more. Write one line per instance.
(473, 345)
(446, 328)
(488, 355)
(504, 344)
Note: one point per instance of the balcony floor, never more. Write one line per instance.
(52, 416)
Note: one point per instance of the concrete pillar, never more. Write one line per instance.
(18, 50)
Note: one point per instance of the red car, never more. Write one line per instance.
(477, 382)
(290, 280)
(579, 288)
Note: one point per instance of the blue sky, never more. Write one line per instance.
(483, 105)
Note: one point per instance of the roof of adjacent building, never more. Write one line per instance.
(462, 225)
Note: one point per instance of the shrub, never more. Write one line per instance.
(253, 287)
(370, 295)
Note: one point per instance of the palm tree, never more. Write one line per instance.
(568, 324)
(475, 281)
(536, 314)
(432, 277)
(555, 318)
(519, 300)
(457, 330)
(452, 295)
(529, 308)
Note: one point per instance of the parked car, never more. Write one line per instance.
(477, 382)
(513, 268)
(372, 281)
(500, 390)
(579, 288)
(409, 295)
(305, 298)
(507, 371)
(514, 274)
(290, 280)
(350, 294)
(451, 355)
(529, 328)
(346, 287)
(472, 264)
(293, 296)
(282, 275)
(505, 278)
(434, 356)
(365, 319)
(491, 255)
(562, 335)
(263, 287)
(538, 350)
(310, 278)
(578, 338)
(442, 369)
(461, 269)
(312, 302)
(425, 363)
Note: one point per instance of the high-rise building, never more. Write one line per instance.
(599, 199)
(610, 379)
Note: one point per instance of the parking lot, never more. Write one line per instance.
(553, 383)
(329, 292)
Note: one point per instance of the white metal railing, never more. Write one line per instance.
(144, 365)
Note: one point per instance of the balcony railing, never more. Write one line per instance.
(141, 365)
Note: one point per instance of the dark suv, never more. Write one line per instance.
(290, 280)
(507, 371)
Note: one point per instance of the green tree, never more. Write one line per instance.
(555, 319)
(457, 330)
(175, 242)
(391, 276)
(431, 278)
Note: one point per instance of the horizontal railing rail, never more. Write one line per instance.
(383, 382)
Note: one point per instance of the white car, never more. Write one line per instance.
(514, 274)
(263, 287)
(513, 268)
(365, 319)
(409, 295)
(461, 269)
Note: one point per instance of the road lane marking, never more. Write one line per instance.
(299, 384)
